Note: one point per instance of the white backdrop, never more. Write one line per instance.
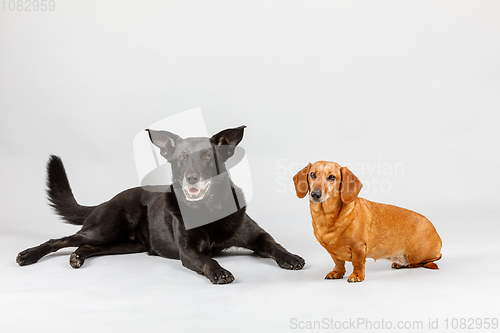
(404, 93)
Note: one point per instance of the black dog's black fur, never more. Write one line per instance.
(150, 219)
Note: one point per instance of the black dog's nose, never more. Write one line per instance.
(192, 179)
(316, 195)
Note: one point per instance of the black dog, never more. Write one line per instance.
(154, 219)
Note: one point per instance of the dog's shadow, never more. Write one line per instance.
(237, 252)
(230, 253)
(52, 255)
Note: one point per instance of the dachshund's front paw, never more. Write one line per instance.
(334, 275)
(356, 277)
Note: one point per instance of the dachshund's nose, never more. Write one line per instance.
(192, 179)
(316, 195)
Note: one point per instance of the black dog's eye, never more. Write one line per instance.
(313, 175)
(331, 177)
(206, 156)
(182, 156)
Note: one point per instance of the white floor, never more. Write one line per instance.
(131, 293)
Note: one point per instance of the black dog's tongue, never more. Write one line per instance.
(194, 191)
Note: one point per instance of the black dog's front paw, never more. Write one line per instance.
(291, 261)
(221, 276)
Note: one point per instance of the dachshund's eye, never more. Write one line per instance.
(182, 156)
(331, 177)
(206, 156)
(313, 175)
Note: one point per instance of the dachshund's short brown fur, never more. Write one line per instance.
(353, 229)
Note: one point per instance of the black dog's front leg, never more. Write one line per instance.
(203, 264)
(265, 246)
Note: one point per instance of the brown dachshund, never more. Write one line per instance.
(353, 229)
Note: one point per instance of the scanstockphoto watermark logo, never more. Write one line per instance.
(357, 324)
(200, 199)
(374, 175)
(383, 324)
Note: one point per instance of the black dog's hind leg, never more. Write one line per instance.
(85, 251)
(264, 245)
(32, 255)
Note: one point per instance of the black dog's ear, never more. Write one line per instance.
(164, 140)
(226, 141)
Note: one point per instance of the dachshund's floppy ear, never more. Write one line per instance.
(350, 187)
(164, 140)
(301, 182)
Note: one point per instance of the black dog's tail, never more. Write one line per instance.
(60, 195)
